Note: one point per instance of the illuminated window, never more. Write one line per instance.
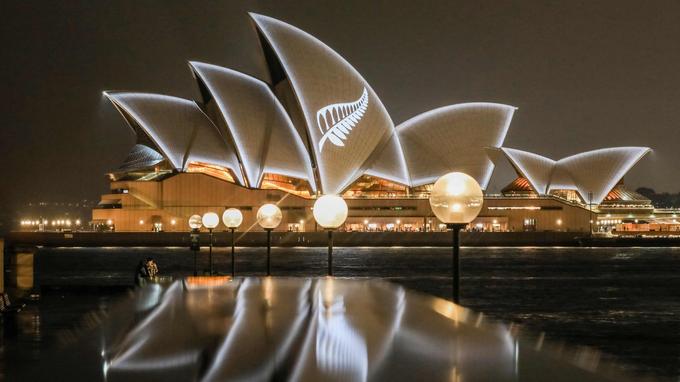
(373, 187)
(212, 170)
(295, 186)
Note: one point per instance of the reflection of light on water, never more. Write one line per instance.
(194, 282)
(454, 377)
(248, 316)
(138, 350)
(450, 310)
(587, 358)
(340, 350)
(539, 342)
(328, 292)
(148, 297)
(105, 369)
(268, 289)
(516, 357)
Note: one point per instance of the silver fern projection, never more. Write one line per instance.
(336, 120)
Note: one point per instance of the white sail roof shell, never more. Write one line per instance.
(592, 173)
(345, 119)
(598, 171)
(535, 168)
(140, 157)
(264, 136)
(390, 162)
(178, 128)
(340, 126)
(450, 138)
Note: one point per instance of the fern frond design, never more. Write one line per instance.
(337, 120)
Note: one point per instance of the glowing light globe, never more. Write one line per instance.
(232, 218)
(269, 216)
(195, 222)
(210, 220)
(330, 211)
(456, 198)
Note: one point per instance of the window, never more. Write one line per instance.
(529, 225)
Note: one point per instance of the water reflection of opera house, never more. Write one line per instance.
(314, 125)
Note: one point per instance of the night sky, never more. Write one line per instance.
(584, 74)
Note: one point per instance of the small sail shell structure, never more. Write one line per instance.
(141, 157)
(263, 134)
(593, 174)
(450, 138)
(178, 127)
(314, 118)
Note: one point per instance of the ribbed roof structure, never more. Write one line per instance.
(178, 127)
(263, 134)
(141, 157)
(518, 186)
(345, 121)
(450, 138)
(620, 194)
(593, 173)
(315, 119)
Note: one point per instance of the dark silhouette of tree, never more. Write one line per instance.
(660, 200)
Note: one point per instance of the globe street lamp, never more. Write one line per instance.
(195, 223)
(330, 212)
(232, 218)
(269, 217)
(456, 200)
(210, 221)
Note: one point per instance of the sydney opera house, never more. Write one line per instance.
(315, 126)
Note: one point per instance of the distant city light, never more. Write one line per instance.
(173, 221)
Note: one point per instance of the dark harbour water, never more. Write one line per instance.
(624, 302)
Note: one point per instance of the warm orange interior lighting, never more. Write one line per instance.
(291, 185)
(212, 170)
(198, 281)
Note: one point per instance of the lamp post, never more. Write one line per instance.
(232, 218)
(590, 207)
(210, 221)
(195, 223)
(330, 212)
(269, 217)
(456, 200)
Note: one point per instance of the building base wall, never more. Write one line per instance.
(168, 204)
